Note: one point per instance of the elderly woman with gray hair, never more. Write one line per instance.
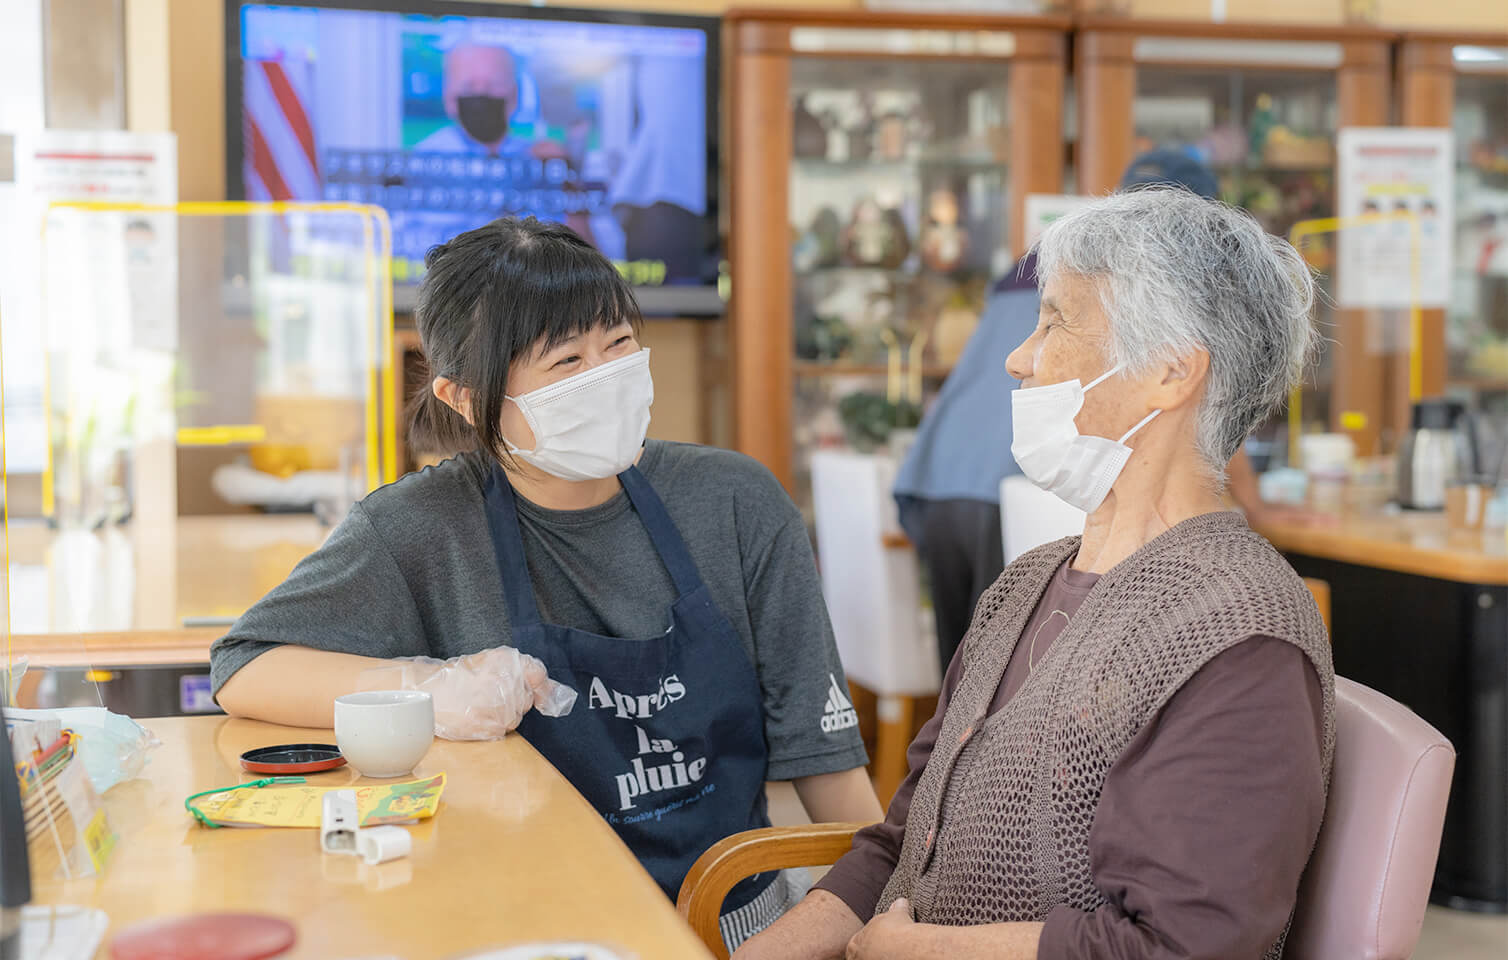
(1132, 749)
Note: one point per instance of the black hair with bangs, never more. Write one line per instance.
(503, 292)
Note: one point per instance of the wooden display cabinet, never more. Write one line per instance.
(1262, 104)
(1460, 81)
(878, 166)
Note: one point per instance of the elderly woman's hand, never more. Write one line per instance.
(893, 935)
(890, 936)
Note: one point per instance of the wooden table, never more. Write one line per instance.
(1415, 543)
(134, 597)
(1420, 612)
(513, 855)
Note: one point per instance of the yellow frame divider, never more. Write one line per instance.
(1305, 229)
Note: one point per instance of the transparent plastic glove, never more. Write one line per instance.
(481, 696)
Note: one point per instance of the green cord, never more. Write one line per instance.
(206, 821)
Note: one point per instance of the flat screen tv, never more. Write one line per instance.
(452, 114)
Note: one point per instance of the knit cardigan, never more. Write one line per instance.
(998, 829)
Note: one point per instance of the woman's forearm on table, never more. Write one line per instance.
(295, 686)
(817, 928)
(843, 797)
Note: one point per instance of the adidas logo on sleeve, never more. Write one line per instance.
(839, 713)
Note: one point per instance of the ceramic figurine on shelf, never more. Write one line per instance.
(1263, 119)
(818, 246)
(857, 128)
(943, 239)
(825, 338)
(868, 234)
(843, 120)
(838, 139)
(808, 132)
(900, 241)
(875, 237)
(890, 137)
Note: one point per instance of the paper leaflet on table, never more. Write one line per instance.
(67, 830)
(300, 805)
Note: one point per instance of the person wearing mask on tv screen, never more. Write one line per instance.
(486, 91)
(481, 87)
(670, 586)
(948, 487)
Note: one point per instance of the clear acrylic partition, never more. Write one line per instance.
(1477, 320)
(67, 833)
(1269, 137)
(898, 214)
(1386, 339)
(215, 391)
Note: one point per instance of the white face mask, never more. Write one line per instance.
(1054, 455)
(592, 425)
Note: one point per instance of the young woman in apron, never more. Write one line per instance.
(671, 587)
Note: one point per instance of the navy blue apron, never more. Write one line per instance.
(666, 739)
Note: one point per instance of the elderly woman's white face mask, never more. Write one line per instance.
(1052, 453)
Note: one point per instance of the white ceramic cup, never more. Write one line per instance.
(384, 733)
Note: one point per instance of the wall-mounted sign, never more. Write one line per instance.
(1397, 171)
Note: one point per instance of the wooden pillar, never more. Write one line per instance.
(1106, 104)
(1036, 95)
(761, 325)
(1361, 369)
(1427, 93)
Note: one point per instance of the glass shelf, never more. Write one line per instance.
(1269, 137)
(898, 213)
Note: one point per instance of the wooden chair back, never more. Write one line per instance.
(743, 855)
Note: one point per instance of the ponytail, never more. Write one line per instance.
(434, 429)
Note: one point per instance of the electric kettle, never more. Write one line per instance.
(1439, 448)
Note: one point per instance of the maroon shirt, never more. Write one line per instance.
(1204, 823)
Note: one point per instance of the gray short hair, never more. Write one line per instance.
(1176, 272)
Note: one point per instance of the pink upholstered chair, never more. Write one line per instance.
(1364, 894)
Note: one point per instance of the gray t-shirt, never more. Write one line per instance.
(411, 572)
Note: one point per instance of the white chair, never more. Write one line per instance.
(872, 583)
(1030, 517)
